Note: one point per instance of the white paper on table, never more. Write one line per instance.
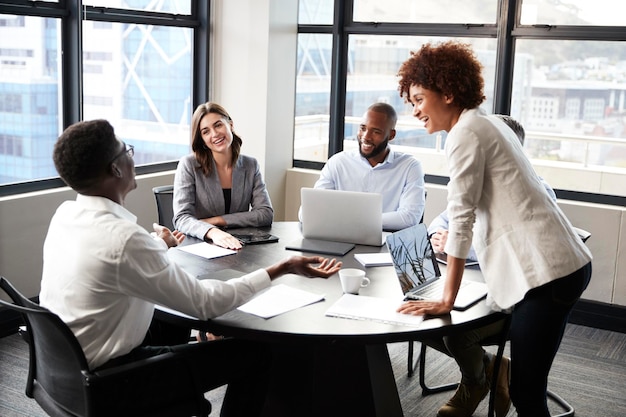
(362, 307)
(279, 299)
(206, 250)
(374, 259)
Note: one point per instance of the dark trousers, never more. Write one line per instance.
(537, 327)
(241, 364)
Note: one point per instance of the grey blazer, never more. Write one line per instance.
(197, 196)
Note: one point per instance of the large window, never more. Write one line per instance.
(131, 62)
(559, 67)
(29, 96)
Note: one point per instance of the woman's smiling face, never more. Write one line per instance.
(216, 132)
(434, 109)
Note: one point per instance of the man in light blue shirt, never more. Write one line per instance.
(376, 168)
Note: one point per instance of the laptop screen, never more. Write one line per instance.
(342, 216)
(413, 257)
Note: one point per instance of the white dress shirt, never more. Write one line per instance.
(399, 178)
(522, 238)
(103, 275)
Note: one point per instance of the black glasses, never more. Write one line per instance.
(129, 149)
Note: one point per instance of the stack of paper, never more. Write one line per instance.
(362, 307)
(206, 250)
(374, 259)
(279, 299)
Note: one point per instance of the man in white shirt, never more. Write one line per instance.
(103, 275)
(376, 168)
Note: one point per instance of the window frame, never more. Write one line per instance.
(72, 13)
(507, 30)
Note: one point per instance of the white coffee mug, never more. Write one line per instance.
(353, 279)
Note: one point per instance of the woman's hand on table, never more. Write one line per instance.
(223, 239)
(424, 307)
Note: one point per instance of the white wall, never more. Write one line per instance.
(254, 57)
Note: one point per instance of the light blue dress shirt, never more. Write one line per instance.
(399, 178)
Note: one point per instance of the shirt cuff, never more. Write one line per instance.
(259, 279)
(158, 239)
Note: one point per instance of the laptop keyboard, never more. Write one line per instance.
(432, 291)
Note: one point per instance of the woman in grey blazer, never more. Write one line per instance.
(216, 187)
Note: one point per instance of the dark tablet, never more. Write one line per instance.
(255, 237)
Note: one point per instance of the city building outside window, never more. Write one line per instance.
(136, 70)
(566, 82)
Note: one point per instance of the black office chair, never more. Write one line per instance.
(499, 341)
(164, 196)
(61, 382)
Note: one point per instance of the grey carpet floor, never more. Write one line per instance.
(589, 372)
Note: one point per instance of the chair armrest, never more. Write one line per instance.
(140, 365)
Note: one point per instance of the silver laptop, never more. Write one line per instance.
(418, 272)
(342, 216)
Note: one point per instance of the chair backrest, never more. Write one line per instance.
(164, 196)
(57, 360)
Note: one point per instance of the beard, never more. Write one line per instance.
(376, 151)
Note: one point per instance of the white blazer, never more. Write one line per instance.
(522, 238)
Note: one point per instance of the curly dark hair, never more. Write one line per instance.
(450, 68)
(82, 153)
(203, 154)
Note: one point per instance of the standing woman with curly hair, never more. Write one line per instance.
(533, 262)
(216, 187)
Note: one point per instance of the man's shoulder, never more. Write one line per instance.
(342, 158)
(404, 158)
(349, 153)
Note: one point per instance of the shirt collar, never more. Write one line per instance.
(102, 203)
(388, 159)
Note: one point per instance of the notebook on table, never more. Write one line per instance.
(374, 259)
(418, 272)
(324, 247)
(342, 216)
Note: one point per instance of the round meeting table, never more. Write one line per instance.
(322, 366)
